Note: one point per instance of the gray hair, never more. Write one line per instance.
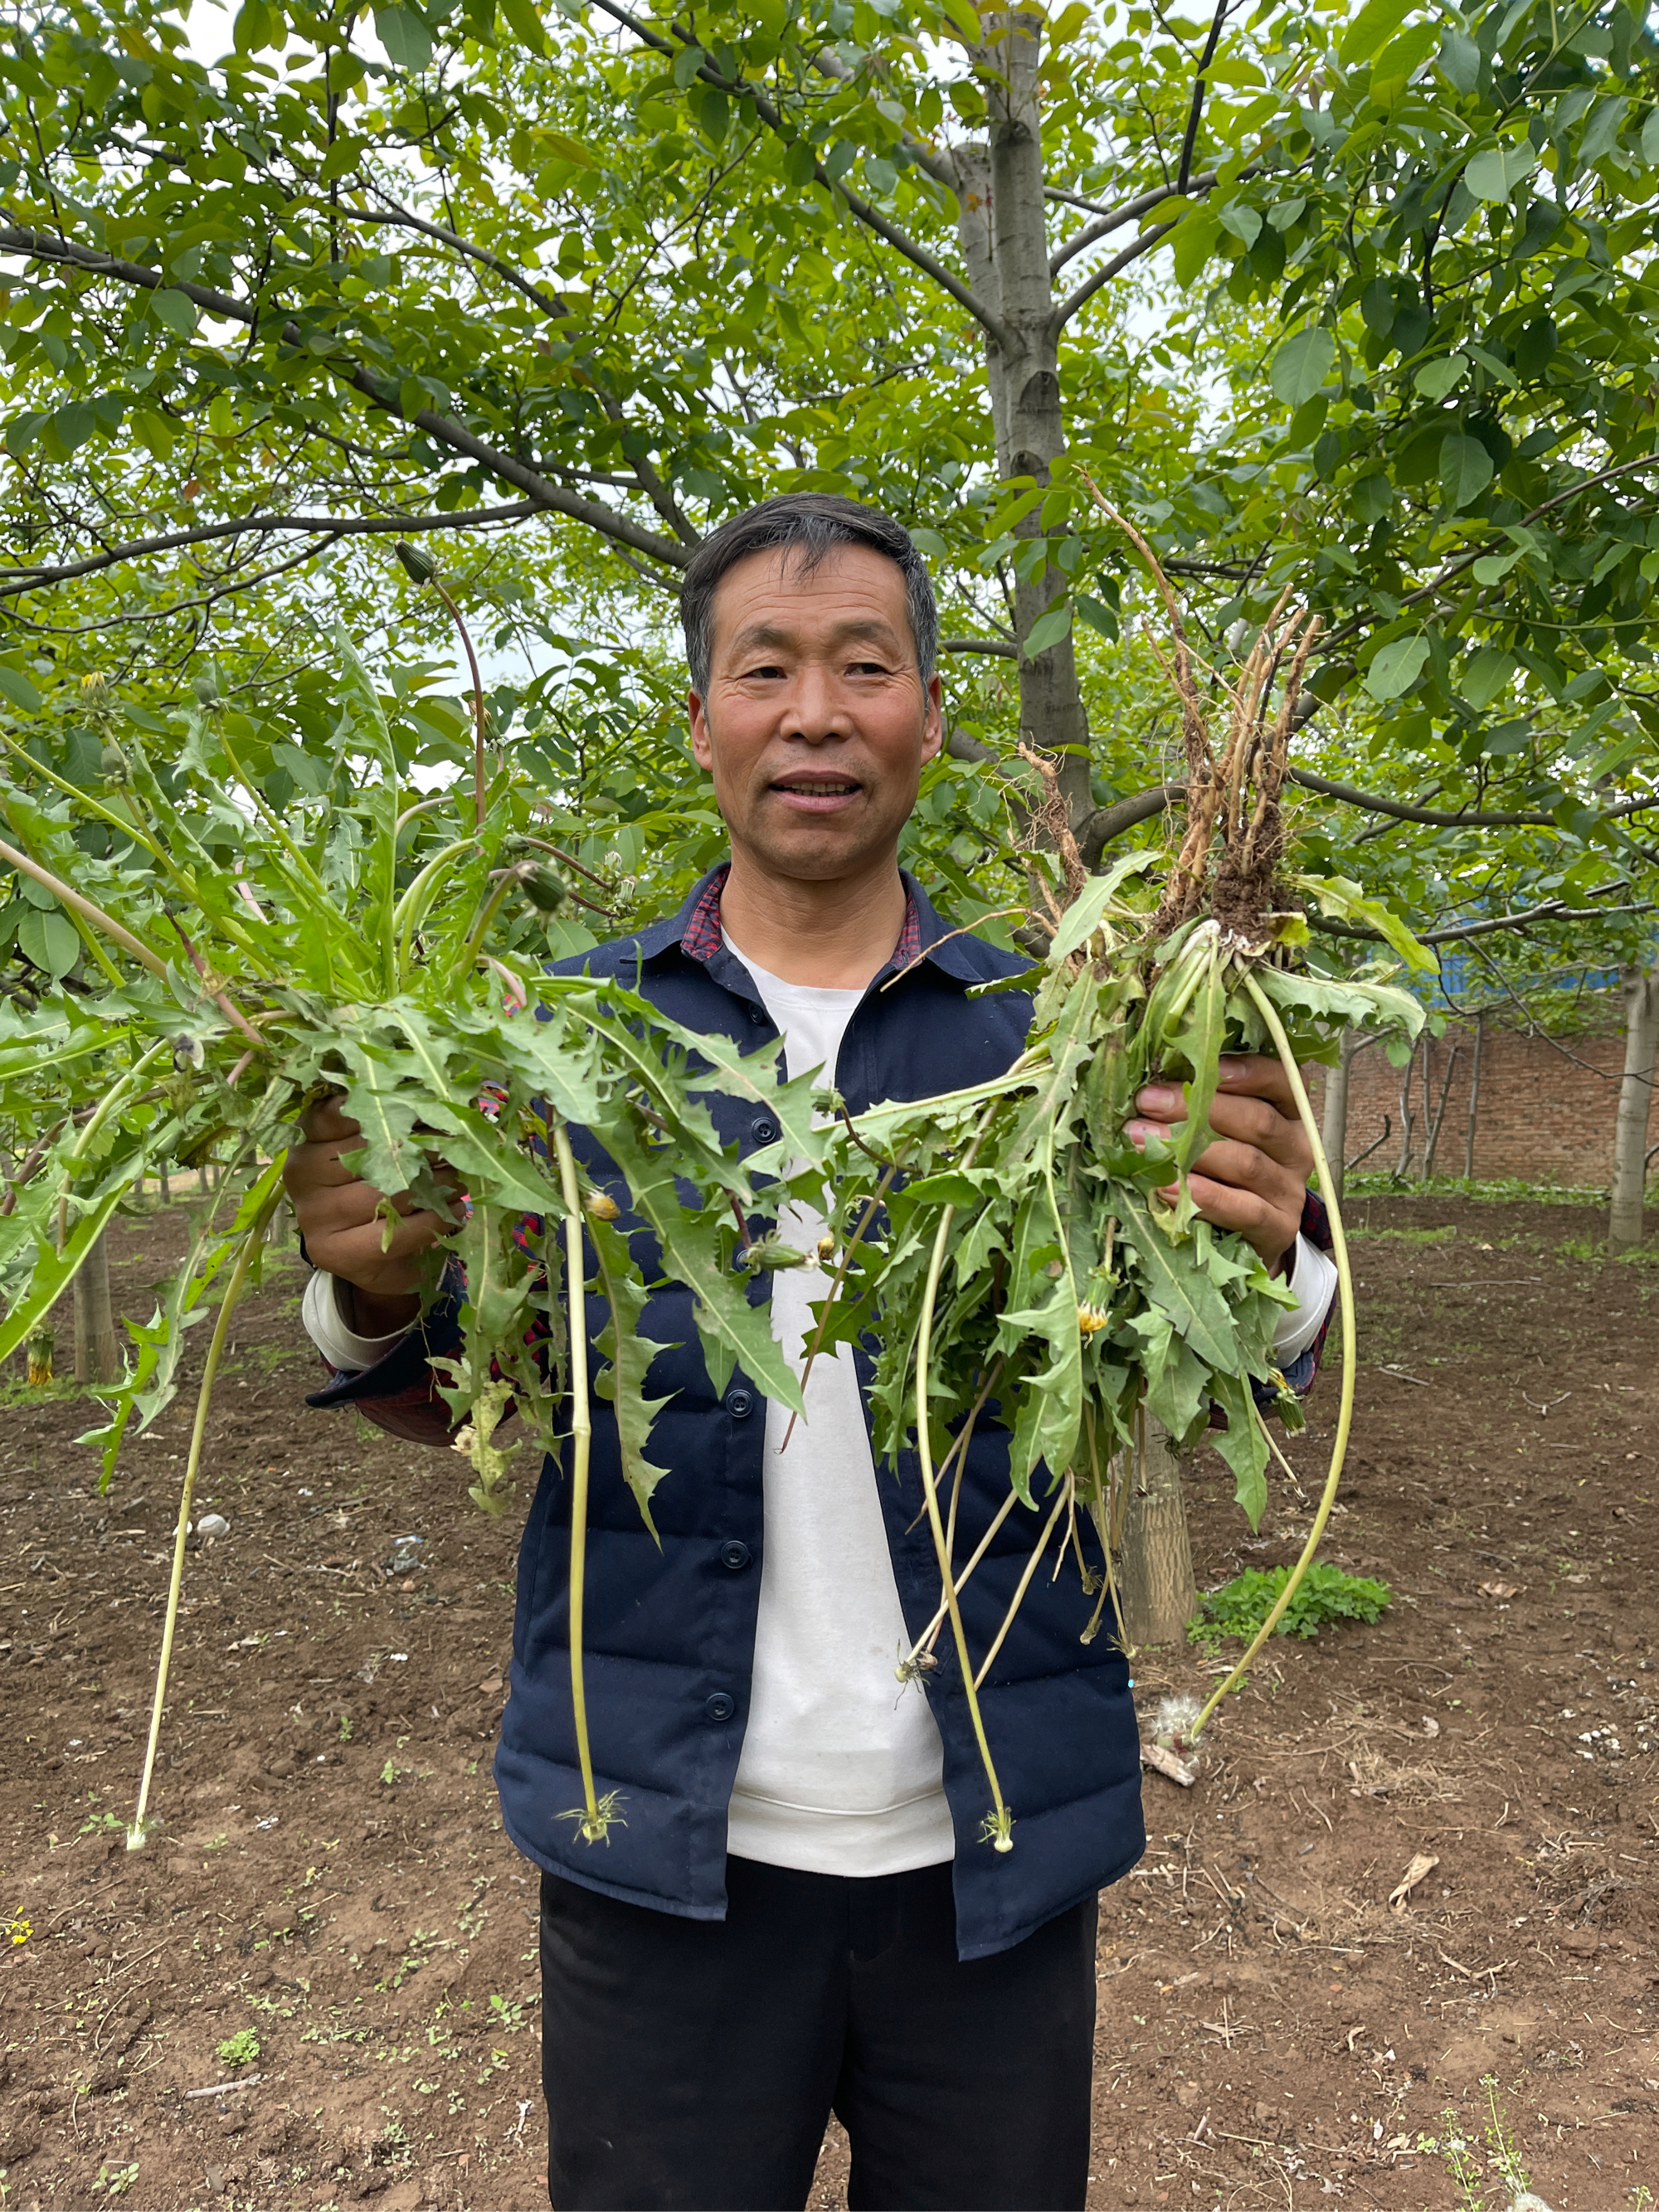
(812, 524)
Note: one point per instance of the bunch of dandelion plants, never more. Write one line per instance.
(1030, 1269)
(239, 958)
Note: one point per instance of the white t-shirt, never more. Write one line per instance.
(842, 1768)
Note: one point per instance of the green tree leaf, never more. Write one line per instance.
(1494, 174)
(1396, 668)
(1302, 364)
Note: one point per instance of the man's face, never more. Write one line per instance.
(817, 722)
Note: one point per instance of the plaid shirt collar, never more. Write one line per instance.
(700, 940)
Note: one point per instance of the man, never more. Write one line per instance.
(799, 1914)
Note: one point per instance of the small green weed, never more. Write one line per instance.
(114, 2180)
(1328, 1594)
(241, 2049)
(1462, 2156)
(345, 1728)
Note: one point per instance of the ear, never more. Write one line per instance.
(702, 750)
(933, 727)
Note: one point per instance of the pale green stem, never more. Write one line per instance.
(474, 943)
(1001, 1819)
(1344, 1293)
(127, 829)
(455, 615)
(581, 1432)
(423, 806)
(962, 1579)
(958, 1452)
(244, 1258)
(89, 937)
(1040, 1546)
(410, 909)
(316, 884)
(117, 1096)
(72, 899)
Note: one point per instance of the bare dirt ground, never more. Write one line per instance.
(331, 1883)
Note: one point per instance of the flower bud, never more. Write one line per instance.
(601, 1206)
(771, 1253)
(420, 567)
(542, 888)
(113, 764)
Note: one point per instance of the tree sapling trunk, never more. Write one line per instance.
(97, 1353)
(1158, 1592)
(1625, 1224)
(1334, 1116)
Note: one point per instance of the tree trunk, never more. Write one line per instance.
(1431, 1121)
(1002, 223)
(1156, 1576)
(1474, 1098)
(1406, 1116)
(1629, 1144)
(1334, 1122)
(97, 1355)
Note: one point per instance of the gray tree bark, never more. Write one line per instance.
(1002, 223)
(1333, 1120)
(97, 1354)
(1474, 1097)
(1625, 1224)
(1156, 1583)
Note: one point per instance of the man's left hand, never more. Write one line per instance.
(1254, 1177)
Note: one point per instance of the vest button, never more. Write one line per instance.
(721, 1707)
(764, 1129)
(740, 1404)
(735, 1555)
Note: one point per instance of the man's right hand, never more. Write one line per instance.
(344, 1231)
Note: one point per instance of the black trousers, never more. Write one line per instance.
(691, 2065)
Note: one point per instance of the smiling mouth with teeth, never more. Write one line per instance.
(807, 790)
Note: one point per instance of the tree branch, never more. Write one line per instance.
(15, 580)
(1437, 819)
(912, 251)
(1111, 219)
(647, 479)
(940, 167)
(40, 246)
(1097, 829)
(1551, 910)
(1199, 88)
(1119, 262)
(405, 219)
(1003, 646)
(1467, 560)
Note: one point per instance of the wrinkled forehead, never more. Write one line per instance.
(807, 597)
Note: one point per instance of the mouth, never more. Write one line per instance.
(816, 792)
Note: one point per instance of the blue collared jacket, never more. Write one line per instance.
(671, 1631)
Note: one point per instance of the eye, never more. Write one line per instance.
(763, 668)
(867, 668)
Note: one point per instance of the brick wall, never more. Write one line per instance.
(1544, 1111)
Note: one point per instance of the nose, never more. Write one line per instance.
(815, 710)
